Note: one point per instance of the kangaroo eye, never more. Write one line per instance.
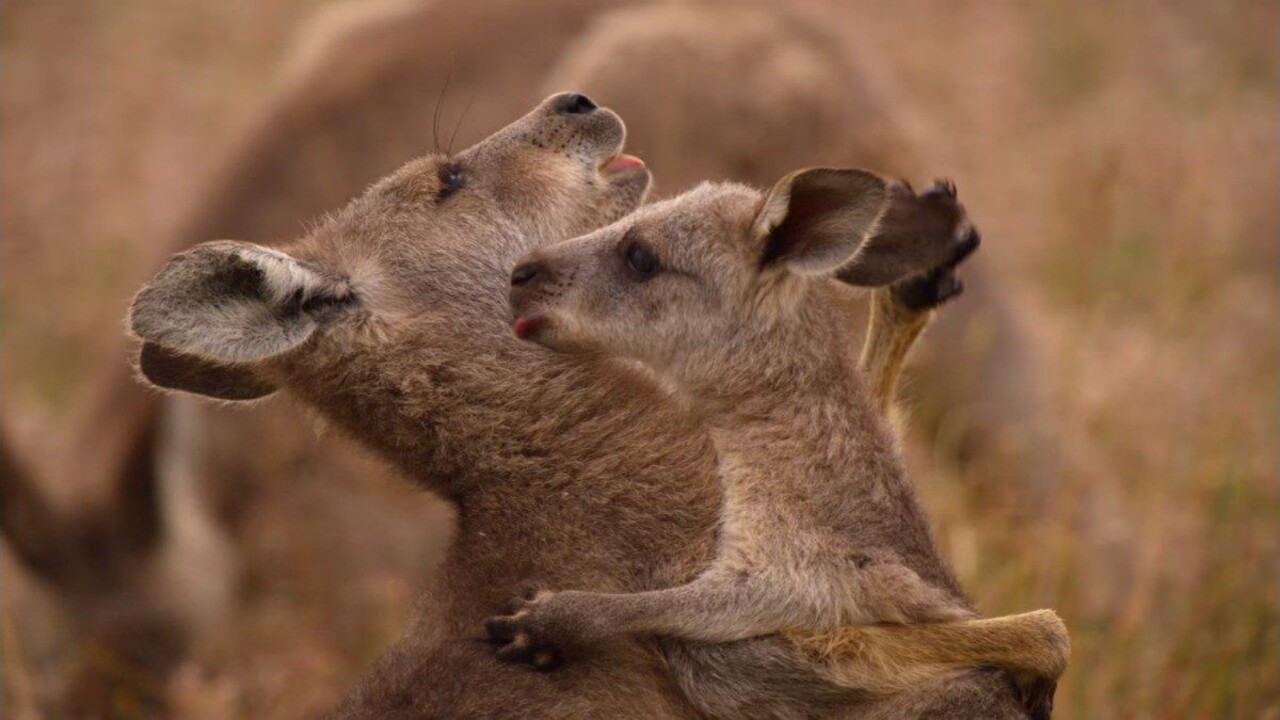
(451, 180)
(641, 259)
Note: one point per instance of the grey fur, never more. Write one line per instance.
(820, 527)
(615, 491)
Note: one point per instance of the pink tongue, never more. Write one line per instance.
(623, 162)
(524, 326)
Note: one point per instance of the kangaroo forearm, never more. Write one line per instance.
(722, 606)
(891, 331)
(710, 610)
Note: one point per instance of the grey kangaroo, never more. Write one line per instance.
(389, 318)
(727, 295)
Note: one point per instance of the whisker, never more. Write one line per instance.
(435, 116)
(449, 150)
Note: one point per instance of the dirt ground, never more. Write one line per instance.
(1122, 159)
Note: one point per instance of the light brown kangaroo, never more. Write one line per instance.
(390, 319)
(360, 102)
(723, 293)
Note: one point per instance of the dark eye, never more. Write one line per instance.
(641, 259)
(451, 180)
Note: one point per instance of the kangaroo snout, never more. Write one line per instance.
(573, 104)
(529, 281)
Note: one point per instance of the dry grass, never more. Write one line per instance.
(1123, 161)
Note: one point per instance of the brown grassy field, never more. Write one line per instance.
(1123, 160)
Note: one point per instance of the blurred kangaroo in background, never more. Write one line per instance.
(710, 90)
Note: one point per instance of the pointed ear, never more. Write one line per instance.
(814, 220)
(215, 311)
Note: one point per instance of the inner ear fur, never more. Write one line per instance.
(814, 220)
(233, 302)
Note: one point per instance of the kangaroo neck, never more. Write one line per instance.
(795, 414)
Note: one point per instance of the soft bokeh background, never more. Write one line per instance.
(1122, 158)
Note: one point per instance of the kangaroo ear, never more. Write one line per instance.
(215, 311)
(171, 370)
(814, 220)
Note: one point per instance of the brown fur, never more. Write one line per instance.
(820, 528)
(401, 341)
(421, 368)
(884, 353)
(894, 658)
(356, 108)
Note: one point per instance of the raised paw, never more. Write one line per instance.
(520, 637)
(919, 233)
(940, 284)
(941, 189)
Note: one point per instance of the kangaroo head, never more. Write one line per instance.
(684, 284)
(219, 319)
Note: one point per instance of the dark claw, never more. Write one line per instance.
(502, 629)
(940, 188)
(949, 288)
(928, 291)
(517, 645)
(966, 247)
(519, 650)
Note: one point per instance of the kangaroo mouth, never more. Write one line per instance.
(622, 163)
(526, 327)
(627, 182)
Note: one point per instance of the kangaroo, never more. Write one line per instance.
(723, 293)
(358, 100)
(389, 319)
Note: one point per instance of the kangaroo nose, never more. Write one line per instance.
(574, 104)
(524, 273)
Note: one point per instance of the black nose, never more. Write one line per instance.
(574, 104)
(523, 273)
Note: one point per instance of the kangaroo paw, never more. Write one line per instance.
(520, 636)
(940, 284)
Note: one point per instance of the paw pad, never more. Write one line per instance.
(515, 640)
(941, 284)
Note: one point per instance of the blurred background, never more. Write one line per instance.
(1114, 454)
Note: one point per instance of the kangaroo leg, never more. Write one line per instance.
(28, 521)
(722, 605)
(891, 331)
(920, 243)
(899, 313)
(716, 607)
(892, 657)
